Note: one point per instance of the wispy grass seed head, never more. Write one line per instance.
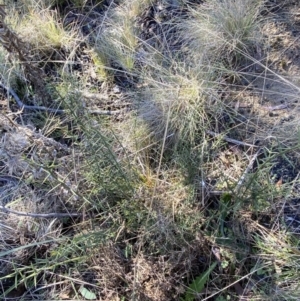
(222, 27)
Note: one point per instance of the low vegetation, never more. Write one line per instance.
(149, 150)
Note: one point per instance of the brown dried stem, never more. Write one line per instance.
(39, 215)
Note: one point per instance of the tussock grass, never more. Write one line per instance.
(183, 92)
(116, 38)
(222, 29)
(45, 32)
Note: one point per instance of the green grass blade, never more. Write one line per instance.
(198, 284)
(4, 253)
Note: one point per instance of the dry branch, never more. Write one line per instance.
(39, 215)
(230, 140)
(249, 167)
(21, 105)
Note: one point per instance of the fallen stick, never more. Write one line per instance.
(21, 105)
(39, 215)
(234, 141)
(276, 108)
(106, 112)
(247, 170)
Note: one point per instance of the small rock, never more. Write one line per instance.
(116, 89)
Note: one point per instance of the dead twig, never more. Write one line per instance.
(39, 215)
(106, 112)
(247, 170)
(8, 179)
(22, 106)
(234, 141)
(276, 108)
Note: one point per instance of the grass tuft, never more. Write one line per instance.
(222, 29)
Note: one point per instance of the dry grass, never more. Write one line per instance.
(187, 190)
(223, 29)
